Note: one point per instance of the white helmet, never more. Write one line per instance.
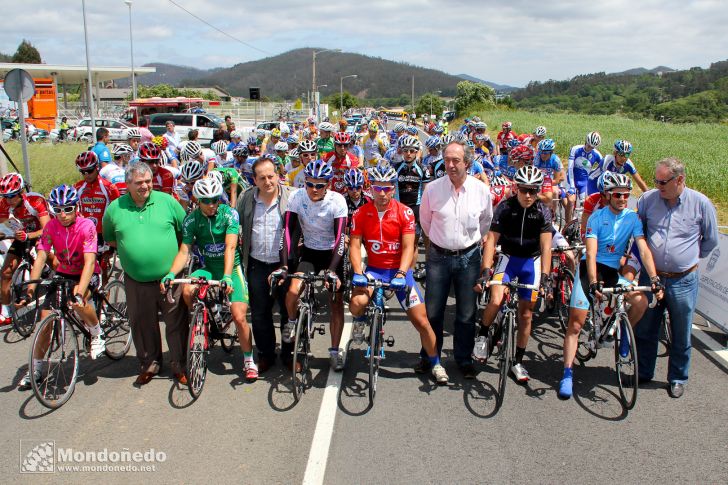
(284, 128)
(191, 150)
(191, 170)
(121, 149)
(260, 132)
(593, 139)
(281, 146)
(399, 127)
(235, 134)
(215, 174)
(383, 172)
(207, 188)
(133, 132)
(540, 131)
(219, 147)
(326, 126)
(529, 175)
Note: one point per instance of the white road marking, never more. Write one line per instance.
(714, 347)
(319, 453)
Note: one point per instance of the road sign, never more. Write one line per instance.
(254, 94)
(19, 85)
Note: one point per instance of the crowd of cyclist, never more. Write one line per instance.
(355, 192)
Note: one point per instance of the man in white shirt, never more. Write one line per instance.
(455, 213)
(173, 139)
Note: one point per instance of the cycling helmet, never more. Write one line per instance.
(87, 161)
(215, 174)
(507, 125)
(529, 175)
(191, 150)
(236, 134)
(546, 145)
(252, 140)
(318, 169)
(191, 170)
(63, 195)
(306, 133)
(480, 125)
(460, 137)
(207, 188)
(342, 138)
(438, 130)
(292, 139)
(281, 146)
(11, 184)
(307, 146)
(260, 132)
(521, 153)
(150, 151)
(311, 119)
(133, 133)
(294, 154)
(219, 147)
(610, 181)
(121, 149)
(470, 143)
(373, 126)
(623, 146)
(284, 128)
(513, 143)
(409, 142)
(500, 180)
(433, 143)
(326, 126)
(412, 130)
(540, 131)
(275, 133)
(163, 157)
(399, 127)
(593, 139)
(481, 137)
(240, 150)
(353, 178)
(383, 172)
(447, 139)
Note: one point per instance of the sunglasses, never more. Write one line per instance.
(67, 209)
(87, 171)
(316, 186)
(210, 200)
(620, 195)
(623, 154)
(355, 188)
(382, 188)
(10, 196)
(410, 150)
(662, 183)
(527, 191)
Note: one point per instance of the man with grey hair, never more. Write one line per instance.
(681, 227)
(455, 214)
(145, 226)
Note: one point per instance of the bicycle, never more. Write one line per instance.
(501, 336)
(599, 332)
(59, 331)
(305, 329)
(563, 283)
(572, 229)
(376, 314)
(210, 321)
(25, 318)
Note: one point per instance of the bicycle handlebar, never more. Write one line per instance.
(620, 290)
(575, 247)
(513, 285)
(192, 281)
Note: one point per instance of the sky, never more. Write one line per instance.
(507, 42)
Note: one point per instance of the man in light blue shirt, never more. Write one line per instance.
(681, 227)
(101, 148)
(173, 139)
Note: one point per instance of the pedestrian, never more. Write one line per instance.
(261, 210)
(455, 214)
(146, 135)
(173, 139)
(145, 226)
(681, 227)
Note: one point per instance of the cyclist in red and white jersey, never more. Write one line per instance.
(162, 178)
(115, 171)
(94, 193)
(27, 215)
(341, 161)
(504, 136)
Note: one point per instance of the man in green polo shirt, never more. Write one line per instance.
(145, 226)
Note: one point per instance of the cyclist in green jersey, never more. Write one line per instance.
(232, 183)
(214, 228)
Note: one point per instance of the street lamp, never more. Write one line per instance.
(88, 74)
(131, 41)
(313, 78)
(436, 92)
(341, 93)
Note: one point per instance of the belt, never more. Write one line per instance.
(454, 252)
(667, 274)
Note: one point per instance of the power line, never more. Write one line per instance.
(213, 27)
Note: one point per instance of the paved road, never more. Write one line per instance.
(415, 433)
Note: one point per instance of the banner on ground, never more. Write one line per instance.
(713, 292)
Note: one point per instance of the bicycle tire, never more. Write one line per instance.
(375, 349)
(572, 232)
(24, 318)
(562, 299)
(197, 350)
(114, 320)
(300, 351)
(60, 360)
(506, 354)
(628, 382)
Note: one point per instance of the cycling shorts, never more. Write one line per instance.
(240, 289)
(527, 270)
(18, 248)
(315, 261)
(408, 298)
(93, 285)
(580, 297)
(418, 228)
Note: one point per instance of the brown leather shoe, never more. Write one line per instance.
(144, 378)
(181, 378)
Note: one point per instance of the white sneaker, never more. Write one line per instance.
(25, 382)
(357, 332)
(480, 350)
(520, 373)
(287, 332)
(438, 372)
(337, 361)
(98, 346)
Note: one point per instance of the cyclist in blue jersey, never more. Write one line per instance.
(410, 182)
(434, 154)
(617, 162)
(608, 232)
(550, 164)
(582, 158)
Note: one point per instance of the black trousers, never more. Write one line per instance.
(261, 309)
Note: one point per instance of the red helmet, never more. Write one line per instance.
(11, 184)
(149, 151)
(342, 138)
(521, 153)
(507, 124)
(87, 161)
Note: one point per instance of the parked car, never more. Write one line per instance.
(82, 131)
(204, 123)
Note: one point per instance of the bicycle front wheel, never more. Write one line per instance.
(115, 321)
(58, 367)
(229, 331)
(197, 349)
(300, 354)
(24, 318)
(375, 352)
(505, 355)
(563, 296)
(625, 360)
(586, 346)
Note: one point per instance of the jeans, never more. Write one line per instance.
(681, 295)
(261, 309)
(461, 272)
